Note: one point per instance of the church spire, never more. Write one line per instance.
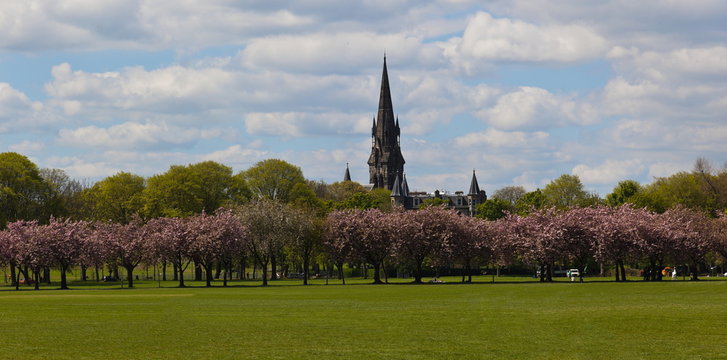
(385, 115)
(474, 186)
(347, 175)
(386, 160)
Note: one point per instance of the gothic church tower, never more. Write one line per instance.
(386, 162)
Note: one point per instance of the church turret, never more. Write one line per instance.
(347, 175)
(475, 196)
(397, 195)
(386, 161)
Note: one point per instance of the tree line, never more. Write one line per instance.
(267, 231)
(281, 221)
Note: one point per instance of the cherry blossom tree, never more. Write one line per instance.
(692, 235)
(577, 227)
(7, 254)
(341, 230)
(306, 237)
(374, 242)
(30, 250)
(419, 234)
(537, 239)
(473, 243)
(268, 230)
(170, 240)
(217, 238)
(63, 240)
(128, 245)
(615, 233)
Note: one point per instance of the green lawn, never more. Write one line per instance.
(505, 320)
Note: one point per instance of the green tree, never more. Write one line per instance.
(66, 198)
(117, 198)
(192, 189)
(303, 197)
(360, 201)
(623, 193)
(567, 191)
(174, 193)
(533, 200)
(273, 179)
(339, 191)
(23, 192)
(511, 194)
(493, 209)
(682, 188)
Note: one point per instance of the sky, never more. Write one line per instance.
(520, 90)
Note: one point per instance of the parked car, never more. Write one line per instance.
(573, 273)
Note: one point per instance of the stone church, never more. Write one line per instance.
(386, 163)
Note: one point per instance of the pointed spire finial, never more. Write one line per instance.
(474, 186)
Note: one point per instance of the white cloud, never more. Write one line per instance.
(27, 147)
(335, 52)
(296, 124)
(531, 107)
(500, 39)
(609, 172)
(135, 135)
(18, 112)
(502, 139)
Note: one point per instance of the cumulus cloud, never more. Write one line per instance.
(501, 39)
(531, 107)
(135, 135)
(609, 172)
(18, 112)
(27, 147)
(296, 124)
(507, 139)
(353, 51)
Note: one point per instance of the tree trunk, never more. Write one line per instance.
(37, 279)
(84, 276)
(208, 273)
(218, 270)
(306, 269)
(695, 271)
(418, 274)
(660, 266)
(164, 270)
(176, 272)
(13, 276)
(242, 268)
(97, 275)
(617, 271)
(623, 270)
(197, 271)
(179, 276)
(273, 268)
(377, 275)
(130, 275)
(340, 273)
(46, 275)
(550, 272)
(542, 272)
(64, 282)
(264, 268)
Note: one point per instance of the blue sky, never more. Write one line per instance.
(521, 91)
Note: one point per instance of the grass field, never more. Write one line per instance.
(514, 319)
